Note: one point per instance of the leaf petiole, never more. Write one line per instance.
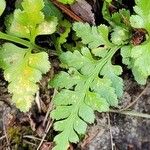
(14, 39)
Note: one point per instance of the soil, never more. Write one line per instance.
(127, 133)
(123, 133)
(110, 131)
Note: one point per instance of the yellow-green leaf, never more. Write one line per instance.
(22, 70)
(2, 6)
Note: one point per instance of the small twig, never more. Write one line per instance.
(37, 100)
(71, 147)
(131, 113)
(32, 137)
(67, 11)
(5, 132)
(49, 109)
(47, 114)
(89, 138)
(49, 124)
(3, 147)
(29, 143)
(6, 102)
(4, 136)
(132, 103)
(110, 131)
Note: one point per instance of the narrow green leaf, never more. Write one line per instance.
(66, 1)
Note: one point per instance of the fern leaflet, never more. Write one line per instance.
(22, 72)
(137, 57)
(29, 21)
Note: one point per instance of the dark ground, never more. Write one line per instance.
(109, 130)
(128, 133)
(123, 132)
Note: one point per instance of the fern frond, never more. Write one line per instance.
(137, 57)
(29, 21)
(90, 84)
(22, 70)
(83, 91)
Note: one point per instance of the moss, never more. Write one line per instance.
(15, 135)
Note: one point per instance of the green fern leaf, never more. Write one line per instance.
(51, 10)
(137, 57)
(142, 19)
(81, 92)
(141, 61)
(112, 72)
(89, 84)
(92, 36)
(22, 70)
(66, 25)
(121, 18)
(120, 36)
(29, 22)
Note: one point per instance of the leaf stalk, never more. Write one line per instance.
(15, 39)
